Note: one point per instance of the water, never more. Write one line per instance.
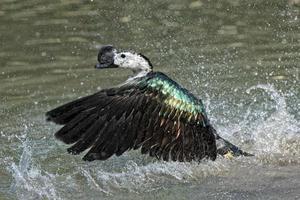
(242, 58)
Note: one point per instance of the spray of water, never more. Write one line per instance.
(31, 182)
(277, 139)
(274, 140)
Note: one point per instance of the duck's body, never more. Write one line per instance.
(150, 111)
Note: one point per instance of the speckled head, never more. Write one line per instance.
(109, 57)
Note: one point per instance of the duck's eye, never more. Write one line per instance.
(123, 56)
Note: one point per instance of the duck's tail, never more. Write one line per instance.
(227, 149)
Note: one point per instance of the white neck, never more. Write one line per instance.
(137, 75)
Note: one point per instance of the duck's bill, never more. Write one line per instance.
(106, 57)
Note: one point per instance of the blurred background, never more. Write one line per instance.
(241, 57)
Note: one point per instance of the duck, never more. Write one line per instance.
(149, 111)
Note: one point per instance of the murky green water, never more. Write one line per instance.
(241, 57)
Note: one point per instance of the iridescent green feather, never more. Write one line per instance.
(173, 94)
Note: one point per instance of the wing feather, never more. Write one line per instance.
(88, 139)
(71, 136)
(152, 113)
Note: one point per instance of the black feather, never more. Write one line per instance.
(65, 113)
(95, 152)
(75, 133)
(128, 129)
(88, 138)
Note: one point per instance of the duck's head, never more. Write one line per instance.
(110, 57)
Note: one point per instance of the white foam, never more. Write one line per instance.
(30, 182)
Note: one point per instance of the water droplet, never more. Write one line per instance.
(284, 41)
(195, 5)
(125, 19)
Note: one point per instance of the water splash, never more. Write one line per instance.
(30, 182)
(277, 138)
(152, 176)
(274, 139)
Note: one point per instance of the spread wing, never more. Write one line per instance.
(152, 113)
